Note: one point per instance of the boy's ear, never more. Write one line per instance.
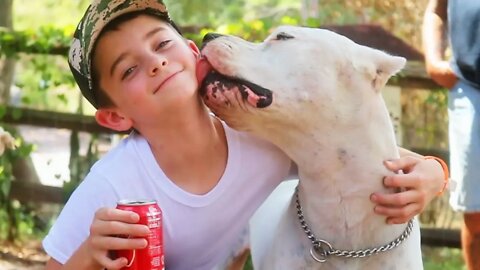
(111, 119)
(193, 47)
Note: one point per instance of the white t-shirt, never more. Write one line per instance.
(199, 230)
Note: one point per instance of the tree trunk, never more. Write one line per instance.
(7, 65)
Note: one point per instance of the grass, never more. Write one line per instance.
(442, 258)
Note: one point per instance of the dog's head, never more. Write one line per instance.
(293, 74)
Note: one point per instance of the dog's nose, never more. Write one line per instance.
(209, 37)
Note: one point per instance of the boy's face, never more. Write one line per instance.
(147, 69)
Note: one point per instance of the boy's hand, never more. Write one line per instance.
(107, 227)
(420, 182)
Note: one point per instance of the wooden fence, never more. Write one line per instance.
(412, 76)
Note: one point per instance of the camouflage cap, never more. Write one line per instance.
(97, 16)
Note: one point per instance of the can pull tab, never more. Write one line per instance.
(132, 259)
(127, 254)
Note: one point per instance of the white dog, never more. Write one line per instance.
(316, 95)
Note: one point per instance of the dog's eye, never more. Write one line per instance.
(284, 36)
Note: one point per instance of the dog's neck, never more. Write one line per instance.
(339, 173)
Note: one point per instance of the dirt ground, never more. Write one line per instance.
(22, 257)
(7, 265)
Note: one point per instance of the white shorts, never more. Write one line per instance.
(464, 140)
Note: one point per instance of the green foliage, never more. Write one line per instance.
(44, 78)
(438, 98)
(442, 258)
(186, 12)
(17, 219)
(21, 223)
(248, 264)
(46, 83)
(425, 118)
(336, 13)
(22, 150)
(253, 30)
(28, 14)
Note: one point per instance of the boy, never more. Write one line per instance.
(132, 64)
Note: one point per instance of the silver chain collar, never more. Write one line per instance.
(321, 249)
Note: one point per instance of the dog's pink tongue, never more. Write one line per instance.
(252, 98)
(203, 68)
(216, 92)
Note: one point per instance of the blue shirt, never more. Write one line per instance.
(464, 31)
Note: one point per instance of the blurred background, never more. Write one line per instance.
(57, 138)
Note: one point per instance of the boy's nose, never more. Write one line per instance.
(209, 37)
(157, 65)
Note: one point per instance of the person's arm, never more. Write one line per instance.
(434, 37)
(93, 254)
(420, 182)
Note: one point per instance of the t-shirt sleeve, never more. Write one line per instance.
(72, 226)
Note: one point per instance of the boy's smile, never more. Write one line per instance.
(167, 79)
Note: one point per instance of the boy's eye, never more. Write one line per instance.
(162, 44)
(128, 72)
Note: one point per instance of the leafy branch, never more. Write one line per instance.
(45, 40)
(10, 210)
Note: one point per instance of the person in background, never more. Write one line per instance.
(457, 23)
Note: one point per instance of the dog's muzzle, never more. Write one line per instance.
(216, 83)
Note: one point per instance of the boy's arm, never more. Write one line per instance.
(434, 43)
(52, 264)
(92, 254)
(421, 181)
(79, 260)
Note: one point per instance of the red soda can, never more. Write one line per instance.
(151, 257)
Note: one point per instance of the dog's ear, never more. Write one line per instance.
(378, 66)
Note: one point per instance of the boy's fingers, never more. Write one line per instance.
(118, 243)
(398, 215)
(397, 220)
(400, 163)
(110, 264)
(402, 181)
(101, 227)
(396, 199)
(117, 215)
